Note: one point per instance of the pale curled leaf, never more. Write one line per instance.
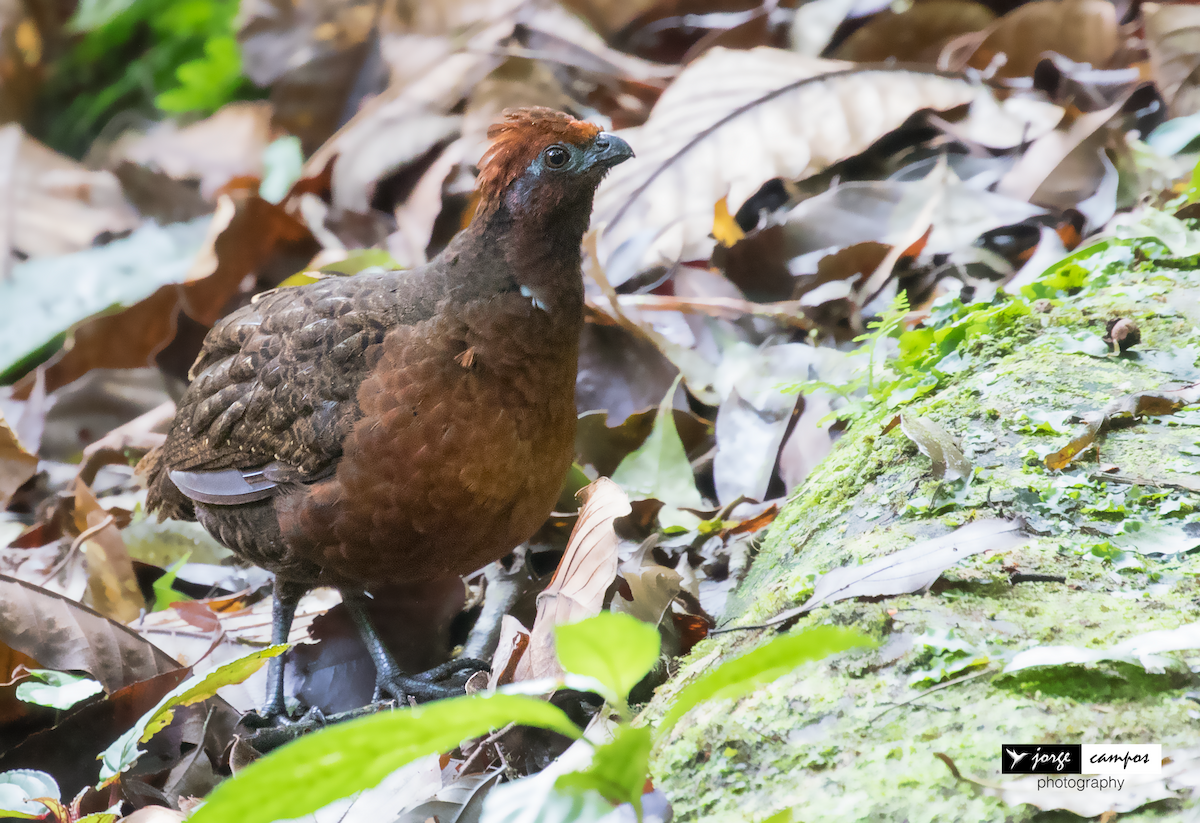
(582, 578)
(736, 119)
(58, 690)
(20, 787)
(54, 204)
(1144, 650)
(938, 445)
(912, 569)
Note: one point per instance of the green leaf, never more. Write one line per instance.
(124, 752)
(659, 468)
(57, 690)
(618, 771)
(359, 260)
(19, 787)
(766, 663)
(282, 163)
(207, 83)
(164, 593)
(616, 649)
(338, 761)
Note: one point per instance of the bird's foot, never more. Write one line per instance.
(274, 717)
(446, 680)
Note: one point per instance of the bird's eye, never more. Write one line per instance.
(556, 157)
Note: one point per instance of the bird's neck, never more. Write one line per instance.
(541, 247)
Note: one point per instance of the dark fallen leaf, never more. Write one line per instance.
(619, 373)
(64, 635)
(69, 749)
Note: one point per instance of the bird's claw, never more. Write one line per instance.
(270, 717)
(446, 680)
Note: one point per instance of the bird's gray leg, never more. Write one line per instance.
(390, 680)
(283, 611)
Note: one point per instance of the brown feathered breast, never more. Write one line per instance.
(402, 426)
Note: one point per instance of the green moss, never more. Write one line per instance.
(853, 738)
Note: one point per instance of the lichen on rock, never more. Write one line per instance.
(1111, 557)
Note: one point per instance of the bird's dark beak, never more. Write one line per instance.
(608, 150)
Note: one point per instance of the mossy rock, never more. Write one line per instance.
(1110, 558)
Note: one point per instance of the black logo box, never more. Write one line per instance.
(1044, 758)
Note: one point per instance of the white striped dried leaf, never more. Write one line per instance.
(734, 120)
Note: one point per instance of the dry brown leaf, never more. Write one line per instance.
(53, 205)
(61, 634)
(112, 586)
(731, 122)
(16, 464)
(1083, 30)
(514, 641)
(1173, 39)
(587, 569)
(214, 150)
(21, 56)
(916, 35)
(1130, 406)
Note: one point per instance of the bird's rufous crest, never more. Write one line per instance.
(519, 138)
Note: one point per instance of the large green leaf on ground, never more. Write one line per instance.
(338, 761)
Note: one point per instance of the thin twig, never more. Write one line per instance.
(483, 744)
(928, 692)
(84, 535)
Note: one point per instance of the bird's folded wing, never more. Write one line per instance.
(277, 384)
